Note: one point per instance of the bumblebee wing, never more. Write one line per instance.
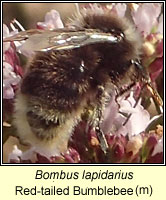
(71, 40)
(31, 40)
(23, 35)
(61, 39)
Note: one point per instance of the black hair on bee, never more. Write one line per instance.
(61, 83)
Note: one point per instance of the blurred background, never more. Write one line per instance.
(28, 14)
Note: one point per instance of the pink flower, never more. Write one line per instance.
(7, 33)
(145, 17)
(160, 25)
(157, 158)
(139, 116)
(153, 54)
(32, 156)
(111, 117)
(159, 48)
(10, 79)
(11, 69)
(15, 155)
(72, 156)
(158, 148)
(155, 68)
(6, 45)
(116, 8)
(114, 120)
(94, 8)
(120, 9)
(152, 151)
(52, 21)
(134, 144)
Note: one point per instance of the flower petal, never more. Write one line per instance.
(52, 21)
(145, 17)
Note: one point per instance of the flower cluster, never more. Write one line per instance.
(11, 67)
(149, 22)
(132, 136)
(127, 144)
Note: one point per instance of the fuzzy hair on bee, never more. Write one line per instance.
(61, 83)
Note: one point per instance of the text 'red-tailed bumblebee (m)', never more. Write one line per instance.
(74, 69)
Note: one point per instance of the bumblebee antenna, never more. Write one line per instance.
(148, 84)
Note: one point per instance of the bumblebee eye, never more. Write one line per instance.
(117, 33)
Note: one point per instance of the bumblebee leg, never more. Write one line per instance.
(99, 112)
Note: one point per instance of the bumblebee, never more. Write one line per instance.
(73, 69)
